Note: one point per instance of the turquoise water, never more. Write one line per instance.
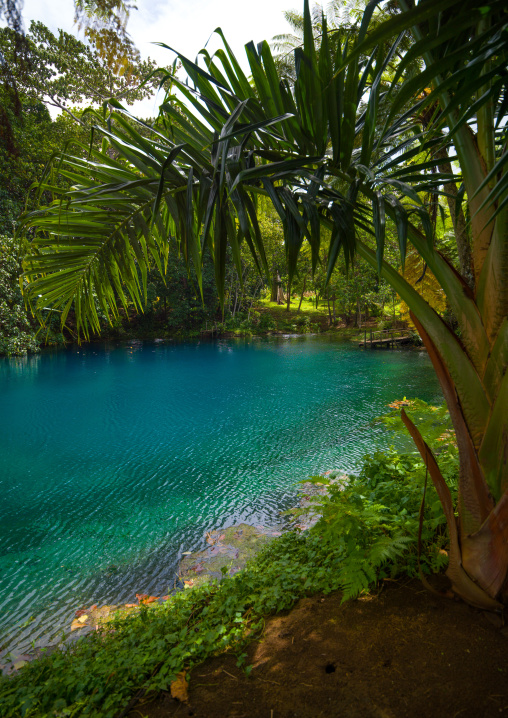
(115, 459)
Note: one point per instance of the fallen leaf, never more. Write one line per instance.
(82, 618)
(150, 599)
(80, 612)
(131, 605)
(164, 598)
(141, 596)
(179, 688)
(77, 624)
(92, 608)
(19, 664)
(188, 584)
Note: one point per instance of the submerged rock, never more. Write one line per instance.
(227, 553)
(307, 513)
(229, 549)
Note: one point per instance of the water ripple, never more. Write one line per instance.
(115, 459)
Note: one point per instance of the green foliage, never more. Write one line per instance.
(174, 302)
(17, 335)
(34, 137)
(96, 676)
(367, 533)
(63, 72)
(20, 333)
(433, 422)
(375, 518)
(267, 323)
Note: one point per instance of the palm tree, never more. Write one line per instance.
(342, 19)
(342, 149)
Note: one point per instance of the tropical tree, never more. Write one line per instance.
(342, 22)
(63, 72)
(17, 333)
(334, 150)
(25, 151)
(104, 23)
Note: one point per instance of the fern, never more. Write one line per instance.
(388, 549)
(373, 522)
(356, 577)
(361, 569)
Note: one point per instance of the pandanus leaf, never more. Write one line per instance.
(493, 453)
(475, 502)
(473, 401)
(492, 293)
(462, 584)
(497, 363)
(485, 553)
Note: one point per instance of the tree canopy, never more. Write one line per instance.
(353, 145)
(64, 72)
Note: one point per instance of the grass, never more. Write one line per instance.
(315, 320)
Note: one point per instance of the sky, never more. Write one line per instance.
(185, 25)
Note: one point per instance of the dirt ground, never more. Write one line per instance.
(402, 653)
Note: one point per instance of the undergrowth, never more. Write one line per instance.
(367, 533)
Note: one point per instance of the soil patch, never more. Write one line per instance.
(402, 653)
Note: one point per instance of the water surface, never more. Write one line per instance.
(115, 459)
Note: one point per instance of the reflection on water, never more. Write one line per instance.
(26, 366)
(115, 459)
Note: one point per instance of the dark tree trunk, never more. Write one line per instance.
(276, 282)
(303, 292)
(236, 301)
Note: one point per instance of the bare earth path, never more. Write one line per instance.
(403, 653)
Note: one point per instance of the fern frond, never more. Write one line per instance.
(388, 548)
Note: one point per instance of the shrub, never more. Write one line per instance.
(267, 323)
(17, 335)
